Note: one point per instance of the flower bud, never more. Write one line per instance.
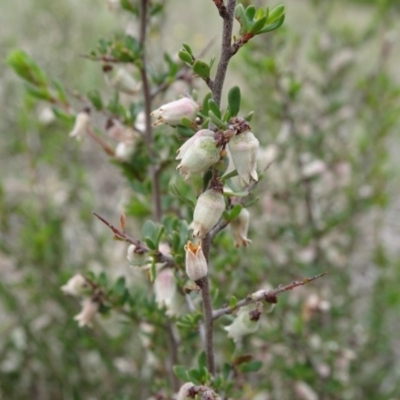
(189, 143)
(76, 286)
(244, 148)
(135, 254)
(82, 122)
(243, 324)
(88, 312)
(196, 264)
(183, 391)
(208, 211)
(240, 227)
(172, 113)
(198, 157)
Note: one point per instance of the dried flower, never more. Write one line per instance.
(82, 122)
(208, 211)
(182, 394)
(200, 155)
(88, 312)
(166, 292)
(172, 113)
(244, 148)
(196, 264)
(76, 286)
(240, 227)
(243, 324)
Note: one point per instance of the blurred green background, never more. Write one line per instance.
(332, 75)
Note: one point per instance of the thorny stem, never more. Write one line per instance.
(226, 52)
(267, 295)
(154, 169)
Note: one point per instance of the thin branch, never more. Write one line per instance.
(268, 295)
(226, 52)
(121, 235)
(208, 323)
(154, 169)
(107, 149)
(223, 12)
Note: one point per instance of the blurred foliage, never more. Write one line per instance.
(325, 107)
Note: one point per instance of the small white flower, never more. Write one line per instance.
(172, 113)
(135, 255)
(82, 122)
(244, 149)
(140, 122)
(182, 394)
(189, 143)
(201, 155)
(242, 324)
(196, 264)
(76, 286)
(88, 312)
(208, 211)
(124, 150)
(240, 227)
(166, 293)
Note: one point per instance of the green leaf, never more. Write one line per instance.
(95, 98)
(185, 57)
(27, 68)
(216, 121)
(161, 231)
(186, 122)
(205, 107)
(201, 68)
(240, 15)
(273, 26)
(233, 302)
(212, 105)
(249, 116)
(128, 6)
(234, 101)
(250, 13)
(235, 211)
(195, 376)
(63, 116)
(252, 366)
(231, 174)
(38, 92)
(151, 245)
(276, 14)
(187, 48)
(184, 131)
(149, 229)
(230, 193)
(61, 93)
(153, 272)
(119, 286)
(202, 360)
(181, 372)
(258, 25)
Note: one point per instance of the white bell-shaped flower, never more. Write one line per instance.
(208, 211)
(200, 155)
(243, 324)
(244, 148)
(196, 264)
(240, 227)
(172, 113)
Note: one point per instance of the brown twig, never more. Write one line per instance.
(107, 149)
(267, 295)
(121, 235)
(154, 168)
(226, 52)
